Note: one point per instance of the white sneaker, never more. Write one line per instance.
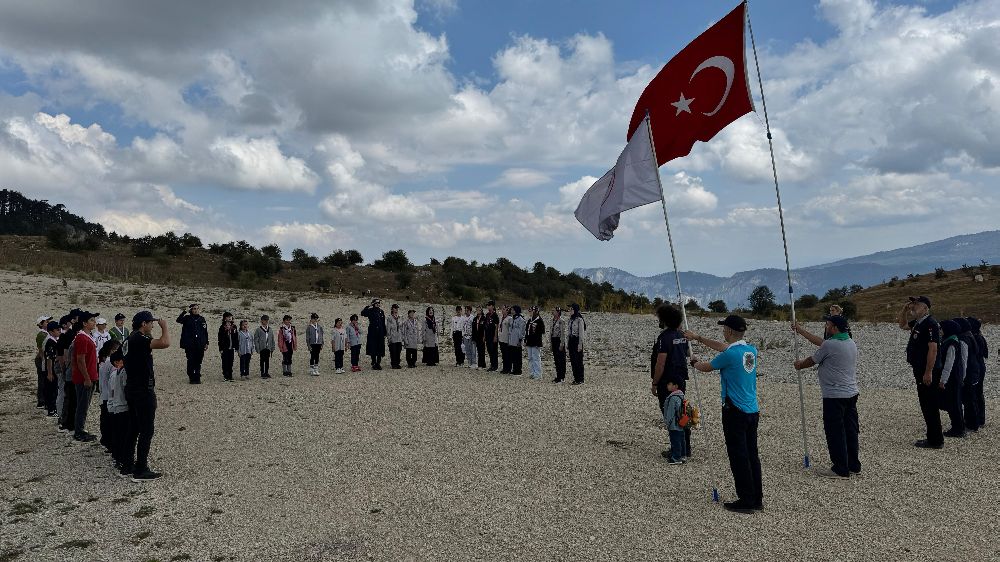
(340, 371)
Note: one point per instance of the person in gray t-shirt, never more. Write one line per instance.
(837, 358)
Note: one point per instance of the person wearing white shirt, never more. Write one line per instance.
(457, 321)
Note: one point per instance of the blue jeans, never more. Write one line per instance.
(83, 395)
(678, 445)
(471, 352)
(535, 360)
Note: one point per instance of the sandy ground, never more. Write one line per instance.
(452, 464)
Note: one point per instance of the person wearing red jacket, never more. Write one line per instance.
(84, 373)
(288, 342)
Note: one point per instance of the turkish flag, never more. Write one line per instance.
(700, 91)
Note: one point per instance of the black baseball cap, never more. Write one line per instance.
(142, 316)
(87, 315)
(734, 322)
(119, 316)
(922, 299)
(117, 356)
(52, 326)
(837, 320)
(314, 316)
(65, 319)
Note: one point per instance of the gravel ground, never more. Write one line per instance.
(452, 464)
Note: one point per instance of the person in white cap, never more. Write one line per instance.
(101, 335)
(40, 338)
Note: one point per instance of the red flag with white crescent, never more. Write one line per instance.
(699, 91)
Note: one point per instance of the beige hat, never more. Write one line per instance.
(43, 319)
(102, 322)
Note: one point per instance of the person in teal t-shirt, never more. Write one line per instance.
(737, 366)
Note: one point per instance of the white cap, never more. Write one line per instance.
(101, 321)
(43, 319)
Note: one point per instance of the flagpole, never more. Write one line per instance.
(677, 275)
(784, 241)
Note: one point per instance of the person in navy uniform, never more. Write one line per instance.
(922, 355)
(669, 360)
(375, 344)
(194, 340)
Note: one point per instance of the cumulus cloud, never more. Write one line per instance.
(260, 164)
(521, 177)
(311, 236)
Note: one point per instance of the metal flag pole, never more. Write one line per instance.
(677, 277)
(784, 241)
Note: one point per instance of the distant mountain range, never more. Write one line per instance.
(867, 270)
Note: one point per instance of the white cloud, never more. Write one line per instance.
(311, 236)
(139, 224)
(521, 177)
(449, 234)
(260, 164)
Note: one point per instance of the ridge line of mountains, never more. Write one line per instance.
(868, 270)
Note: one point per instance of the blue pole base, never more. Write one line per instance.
(715, 495)
(805, 461)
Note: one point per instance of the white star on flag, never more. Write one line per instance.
(682, 104)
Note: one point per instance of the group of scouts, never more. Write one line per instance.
(79, 356)
(948, 361)
(478, 334)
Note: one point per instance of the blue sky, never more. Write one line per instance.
(472, 128)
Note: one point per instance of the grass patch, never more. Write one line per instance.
(10, 555)
(39, 478)
(78, 543)
(144, 511)
(183, 556)
(27, 508)
(283, 304)
(246, 303)
(139, 537)
(215, 511)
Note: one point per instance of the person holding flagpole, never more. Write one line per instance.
(737, 366)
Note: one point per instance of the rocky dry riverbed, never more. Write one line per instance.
(451, 464)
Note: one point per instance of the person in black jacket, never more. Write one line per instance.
(490, 334)
(194, 340)
(669, 361)
(229, 343)
(973, 375)
(533, 342)
(375, 344)
(922, 355)
(984, 354)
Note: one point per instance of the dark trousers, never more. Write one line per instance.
(504, 358)
(142, 415)
(338, 359)
(228, 355)
(40, 371)
(119, 427)
(395, 351)
(245, 364)
(456, 339)
(559, 358)
(981, 405)
(491, 350)
(516, 358)
(740, 429)
(431, 356)
(194, 359)
(286, 358)
(314, 349)
(970, 403)
(105, 425)
(951, 402)
(69, 406)
(83, 395)
(265, 362)
(355, 355)
(49, 393)
(481, 354)
(575, 358)
(928, 398)
(411, 357)
(840, 422)
(678, 445)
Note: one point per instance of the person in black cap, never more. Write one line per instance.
(140, 394)
(737, 366)
(375, 342)
(194, 340)
(922, 355)
(52, 370)
(973, 374)
(119, 332)
(837, 358)
(577, 334)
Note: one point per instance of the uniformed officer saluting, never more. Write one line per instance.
(922, 355)
(194, 340)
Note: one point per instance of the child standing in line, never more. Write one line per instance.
(101, 335)
(672, 410)
(288, 342)
(354, 341)
(246, 350)
(412, 337)
(118, 414)
(339, 344)
(104, 368)
(467, 342)
(314, 338)
(264, 344)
